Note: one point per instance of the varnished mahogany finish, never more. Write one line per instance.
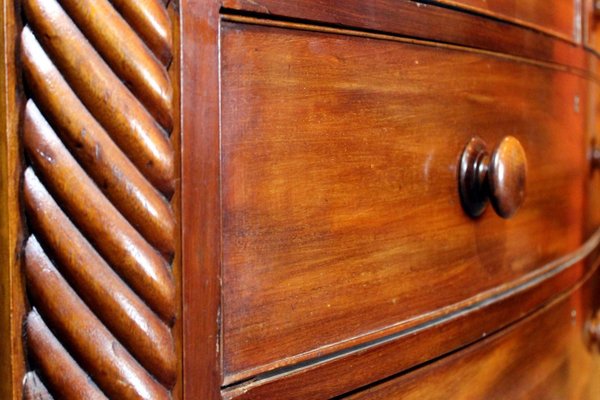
(12, 297)
(331, 232)
(593, 330)
(379, 360)
(201, 202)
(595, 157)
(514, 364)
(96, 191)
(499, 177)
(304, 237)
(556, 17)
(591, 25)
(427, 21)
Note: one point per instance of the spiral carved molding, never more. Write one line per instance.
(96, 190)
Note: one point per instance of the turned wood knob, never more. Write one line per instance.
(499, 178)
(595, 157)
(592, 330)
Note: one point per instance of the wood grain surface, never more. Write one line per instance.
(12, 287)
(360, 366)
(556, 17)
(429, 21)
(547, 356)
(311, 174)
(592, 196)
(98, 188)
(341, 216)
(200, 199)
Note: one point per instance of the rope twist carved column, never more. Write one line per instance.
(96, 194)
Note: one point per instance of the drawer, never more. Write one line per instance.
(549, 355)
(342, 222)
(557, 17)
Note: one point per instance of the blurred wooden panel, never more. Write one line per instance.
(546, 356)
(556, 17)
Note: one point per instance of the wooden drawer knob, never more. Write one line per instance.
(499, 178)
(595, 157)
(592, 331)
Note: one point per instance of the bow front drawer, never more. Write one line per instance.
(342, 213)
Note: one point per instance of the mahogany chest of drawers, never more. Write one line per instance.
(308, 199)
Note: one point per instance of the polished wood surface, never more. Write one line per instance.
(12, 288)
(151, 21)
(556, 17)
(106, 361)
(591, 25)
(236, 199)
(97, 189)
(499, 177)
(336, 234)
(200, 200)
(592, 211)
(413, 19)
(123, 183)
(127, 54)
(123, 116)
(333, 376)
(129, 318)
(546, 356)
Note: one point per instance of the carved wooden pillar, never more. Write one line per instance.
(99, 192)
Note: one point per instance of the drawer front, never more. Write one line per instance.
(557, 17)
(342, 221)
(550, 355)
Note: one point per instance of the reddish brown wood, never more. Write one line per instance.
(381, 359)
(595, 157)
(12, 297)
(419, 20)
(121, 114)
(174, 73)
(556, 17)
(337, 234)
(102, 80)
(593, 330)
(507, 173)
(499, 177)
(516, 364)
(114, 303)
(201, 203)
(109, 364)
(116, 240)
(110, 168)
(61, 371)
(591, 26)
(592, 190)
(126, 53)
(93, 198)
(151, 22)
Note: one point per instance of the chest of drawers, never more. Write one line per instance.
(304, 199)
